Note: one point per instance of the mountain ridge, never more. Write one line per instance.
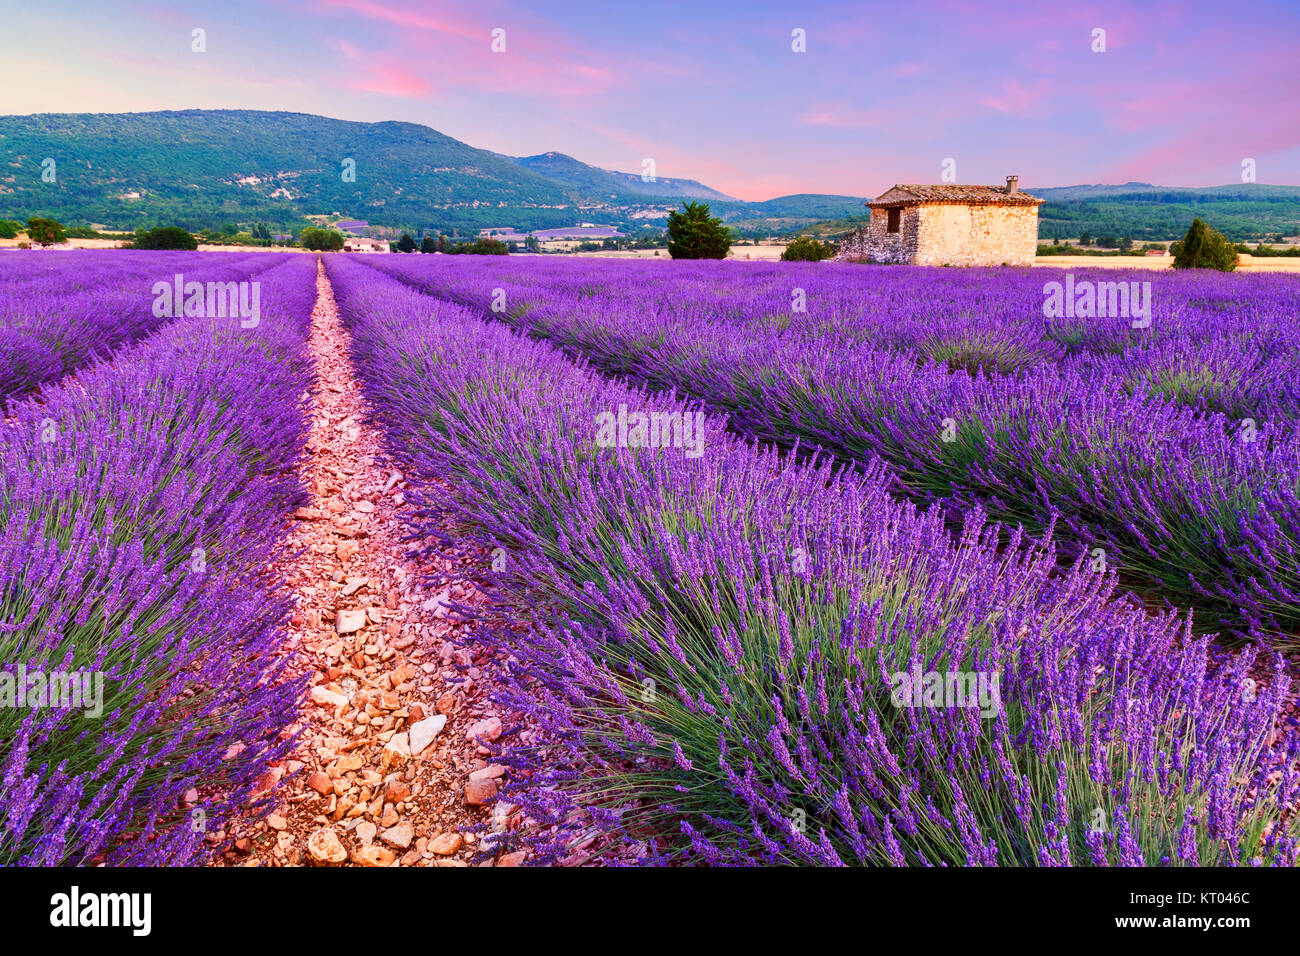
(201, 168)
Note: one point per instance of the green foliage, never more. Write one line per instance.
(321, 240)
(1267, 251)
(85, 232)
(694, 234)
(479, 247)
(164, 237)
(1204, 248)
(808, 249)
(1145, 212)
(45, 232)
(976, 354)
(428, 244)
(406, 243)
(9, 229)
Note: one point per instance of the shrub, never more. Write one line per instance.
(808, 249)
(1204, 248)
(9, 229)
(321, 240)
(45, 232)
(694, 234)
(165, 237)
(480, 247)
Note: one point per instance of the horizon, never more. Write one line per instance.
(1020, 91)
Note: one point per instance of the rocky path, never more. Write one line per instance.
(391, 767)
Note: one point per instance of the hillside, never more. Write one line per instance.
(1143, 211)
(592, 183)
(199, 168)
(204, 168)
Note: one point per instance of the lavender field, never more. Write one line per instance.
(771, 564)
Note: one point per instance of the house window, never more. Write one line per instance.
(895, 215)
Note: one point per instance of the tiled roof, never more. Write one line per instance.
(907, 194)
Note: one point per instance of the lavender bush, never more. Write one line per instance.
(719, 642)
(138, 511)
(1174, 449)
(60, 311)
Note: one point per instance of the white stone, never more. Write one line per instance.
(422, 732)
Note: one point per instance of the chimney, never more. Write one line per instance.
(1013, 185)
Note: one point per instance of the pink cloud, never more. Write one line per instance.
(537, 60)
(393, 81)
(410, 19)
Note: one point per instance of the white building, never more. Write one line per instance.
(362, 244)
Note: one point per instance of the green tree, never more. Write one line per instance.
(1085, 238)
(164, 237)
(694, 234)
(321, 240)
(479, 247)
(808, 249)
(1204, 248)
(45, 232)
(428, 244)
(406, 243)
(9, 229)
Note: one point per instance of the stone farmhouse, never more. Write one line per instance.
(362, 244)
(928, 225)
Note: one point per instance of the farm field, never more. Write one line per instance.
(465, 560)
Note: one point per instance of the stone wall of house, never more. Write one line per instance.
(875, 243)
(951, 234)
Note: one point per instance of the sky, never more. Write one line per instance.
(1176, 94)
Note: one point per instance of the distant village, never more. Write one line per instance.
(361, 236)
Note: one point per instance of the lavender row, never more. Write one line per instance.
(739, 658)
(77, 308)
(1139, 447)
(138, 622)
